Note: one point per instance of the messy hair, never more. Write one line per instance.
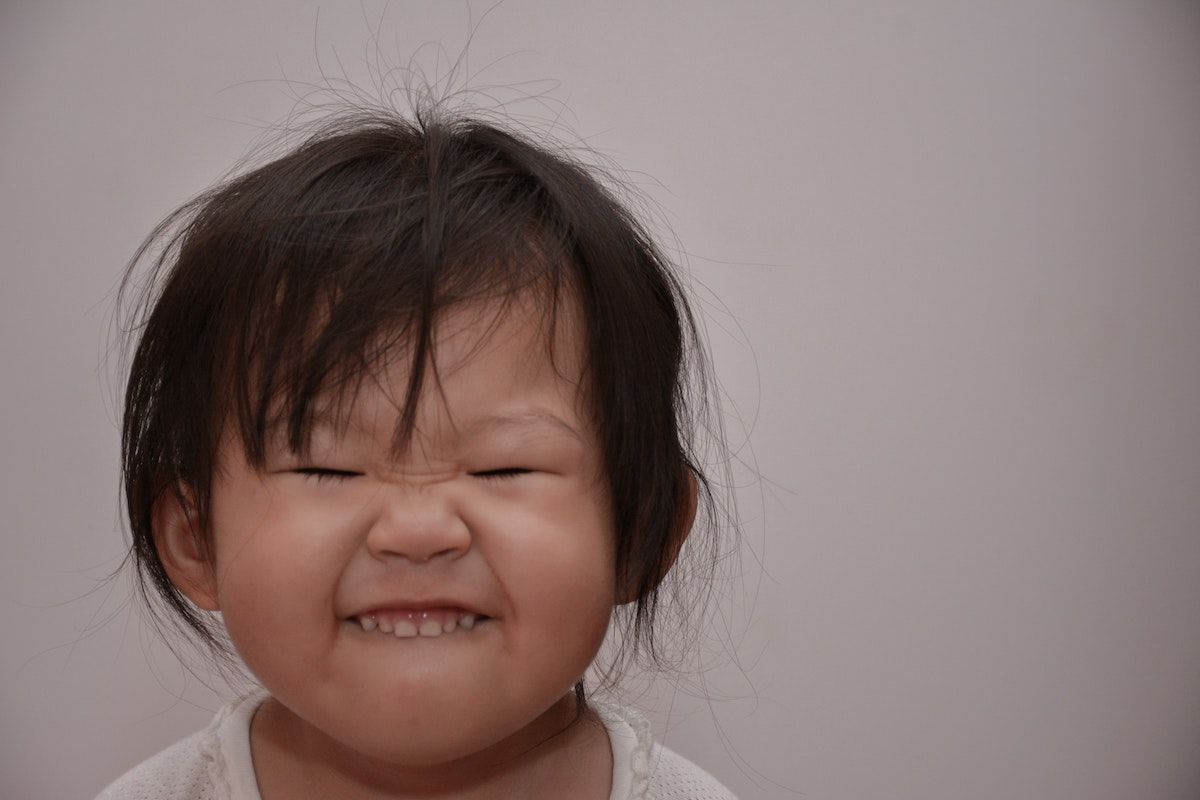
(299, 277)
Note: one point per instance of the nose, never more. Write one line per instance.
(418, 526)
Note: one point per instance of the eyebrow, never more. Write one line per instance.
(477, 426)
(318, 417)
(533, 418)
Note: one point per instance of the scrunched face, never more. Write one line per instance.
(438, 605)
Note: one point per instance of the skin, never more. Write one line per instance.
(498, 503)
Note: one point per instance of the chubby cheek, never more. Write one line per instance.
(276, 571)
(557, 567)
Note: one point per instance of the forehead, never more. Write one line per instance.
(520, 337)
(504, 365)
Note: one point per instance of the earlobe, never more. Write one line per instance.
(685, 518)
(177, 539)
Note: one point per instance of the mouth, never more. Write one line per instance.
(425, 623)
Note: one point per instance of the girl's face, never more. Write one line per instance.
(496, 509)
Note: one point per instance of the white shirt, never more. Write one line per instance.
(215, 763)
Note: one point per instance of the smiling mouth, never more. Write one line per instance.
(426, 623)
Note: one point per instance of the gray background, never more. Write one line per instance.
(956, 248)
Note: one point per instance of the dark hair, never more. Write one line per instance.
(359, 237)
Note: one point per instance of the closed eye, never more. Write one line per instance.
(505, 473)
(320, 474)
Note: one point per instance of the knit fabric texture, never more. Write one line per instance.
(215, 763)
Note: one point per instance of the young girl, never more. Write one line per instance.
(410, 410)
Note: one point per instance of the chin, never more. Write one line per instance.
(483, 736)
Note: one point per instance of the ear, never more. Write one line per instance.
(177, 538)
(685, 518)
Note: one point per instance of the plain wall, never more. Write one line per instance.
(950, 258)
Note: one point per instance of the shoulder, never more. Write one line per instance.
(673, 777)
(645, 770)
(180, 771)
(211, 764)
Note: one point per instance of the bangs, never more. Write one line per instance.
(306, 347)
(355, 250)
(280, 381)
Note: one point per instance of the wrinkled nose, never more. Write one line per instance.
(418, 526)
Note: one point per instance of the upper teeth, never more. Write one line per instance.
(418, 623)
